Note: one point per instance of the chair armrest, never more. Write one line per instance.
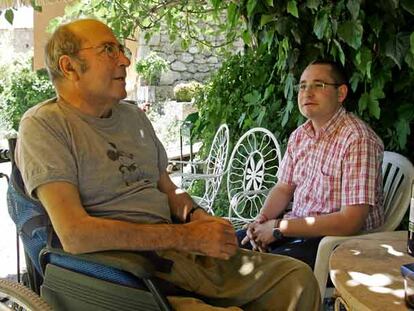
(140, 264)
(325, 248)
(240, 195)
(187, 162)
(189, 176)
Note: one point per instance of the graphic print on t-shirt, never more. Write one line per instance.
(127, 166)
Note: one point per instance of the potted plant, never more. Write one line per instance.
(150, 68)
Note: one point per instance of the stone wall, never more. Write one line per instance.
(184, 65)
(21, 39)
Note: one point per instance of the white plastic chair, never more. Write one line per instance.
(398, 178)
(252, 170)
(213, 169)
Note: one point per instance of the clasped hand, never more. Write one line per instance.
(259, 233)
(212, 236)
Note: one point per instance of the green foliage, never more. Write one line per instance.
(374, 41)
(246, 93)
(150, 68)
(181, 19)
(185, 92)
(22, 90)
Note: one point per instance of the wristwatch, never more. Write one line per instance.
(277, 234)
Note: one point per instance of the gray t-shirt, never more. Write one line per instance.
(115, 162)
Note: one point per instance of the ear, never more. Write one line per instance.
(68, 67)
(342, 93)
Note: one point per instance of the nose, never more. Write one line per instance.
(123, 60)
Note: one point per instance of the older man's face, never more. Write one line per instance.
(103, 81)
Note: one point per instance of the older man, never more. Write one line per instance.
(331, 169)
(96, 165)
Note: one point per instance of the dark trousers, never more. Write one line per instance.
(304, 249)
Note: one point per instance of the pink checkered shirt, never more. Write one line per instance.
(339, 166)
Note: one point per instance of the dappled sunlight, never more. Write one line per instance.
(377, 279)
(258, 275)
(310, 220)
(392, 251)
(377, 283)
(141, 132)
(179, 191)
(247, 266)
(355, 252)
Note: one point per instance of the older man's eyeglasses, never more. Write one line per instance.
(315, 86)
(113, 50)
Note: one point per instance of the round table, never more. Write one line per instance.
(366, 271)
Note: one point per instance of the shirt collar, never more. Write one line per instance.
(328, 128)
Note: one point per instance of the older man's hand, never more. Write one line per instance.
(210, 236)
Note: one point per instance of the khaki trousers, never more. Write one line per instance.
(249, 280)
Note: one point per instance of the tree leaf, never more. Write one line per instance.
(246, 36)
(373, 108)
(9, 15)
(351, 32)
(373, 103)
(292, 8)
(287, 112)
(340, 52)
(396, 47)
(36, 7)
(266, 19)
(241, 119)
(215, 3)
(269, 91)
(252, 98)
(376, 24)
(408, 5)
(377, 93)
(409, 59)
(412, 43)
(364, 62)
(353, 8)
(268, 38)
(251, 4)
(262, 113)
(363, 102)
(403, 130)
(231, 14)
(269, 3)
(312, 4)
(320, 24)
(354, 81)
(289, 86)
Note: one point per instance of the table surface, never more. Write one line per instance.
(366, 271)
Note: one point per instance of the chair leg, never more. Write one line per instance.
(340, 304)
(159, 298)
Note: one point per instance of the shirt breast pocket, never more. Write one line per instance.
(330, 188)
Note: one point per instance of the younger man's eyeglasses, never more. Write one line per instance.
(315, 86)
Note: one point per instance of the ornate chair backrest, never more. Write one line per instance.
(215, 166)
(252, 172)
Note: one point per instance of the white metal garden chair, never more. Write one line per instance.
(213, 168)
(252, 170)
(398, 178)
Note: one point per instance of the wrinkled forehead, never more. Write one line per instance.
(93, 32)
(317, 72)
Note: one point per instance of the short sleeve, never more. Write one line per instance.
(43, 155)
(286, 169)
(361, 172)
